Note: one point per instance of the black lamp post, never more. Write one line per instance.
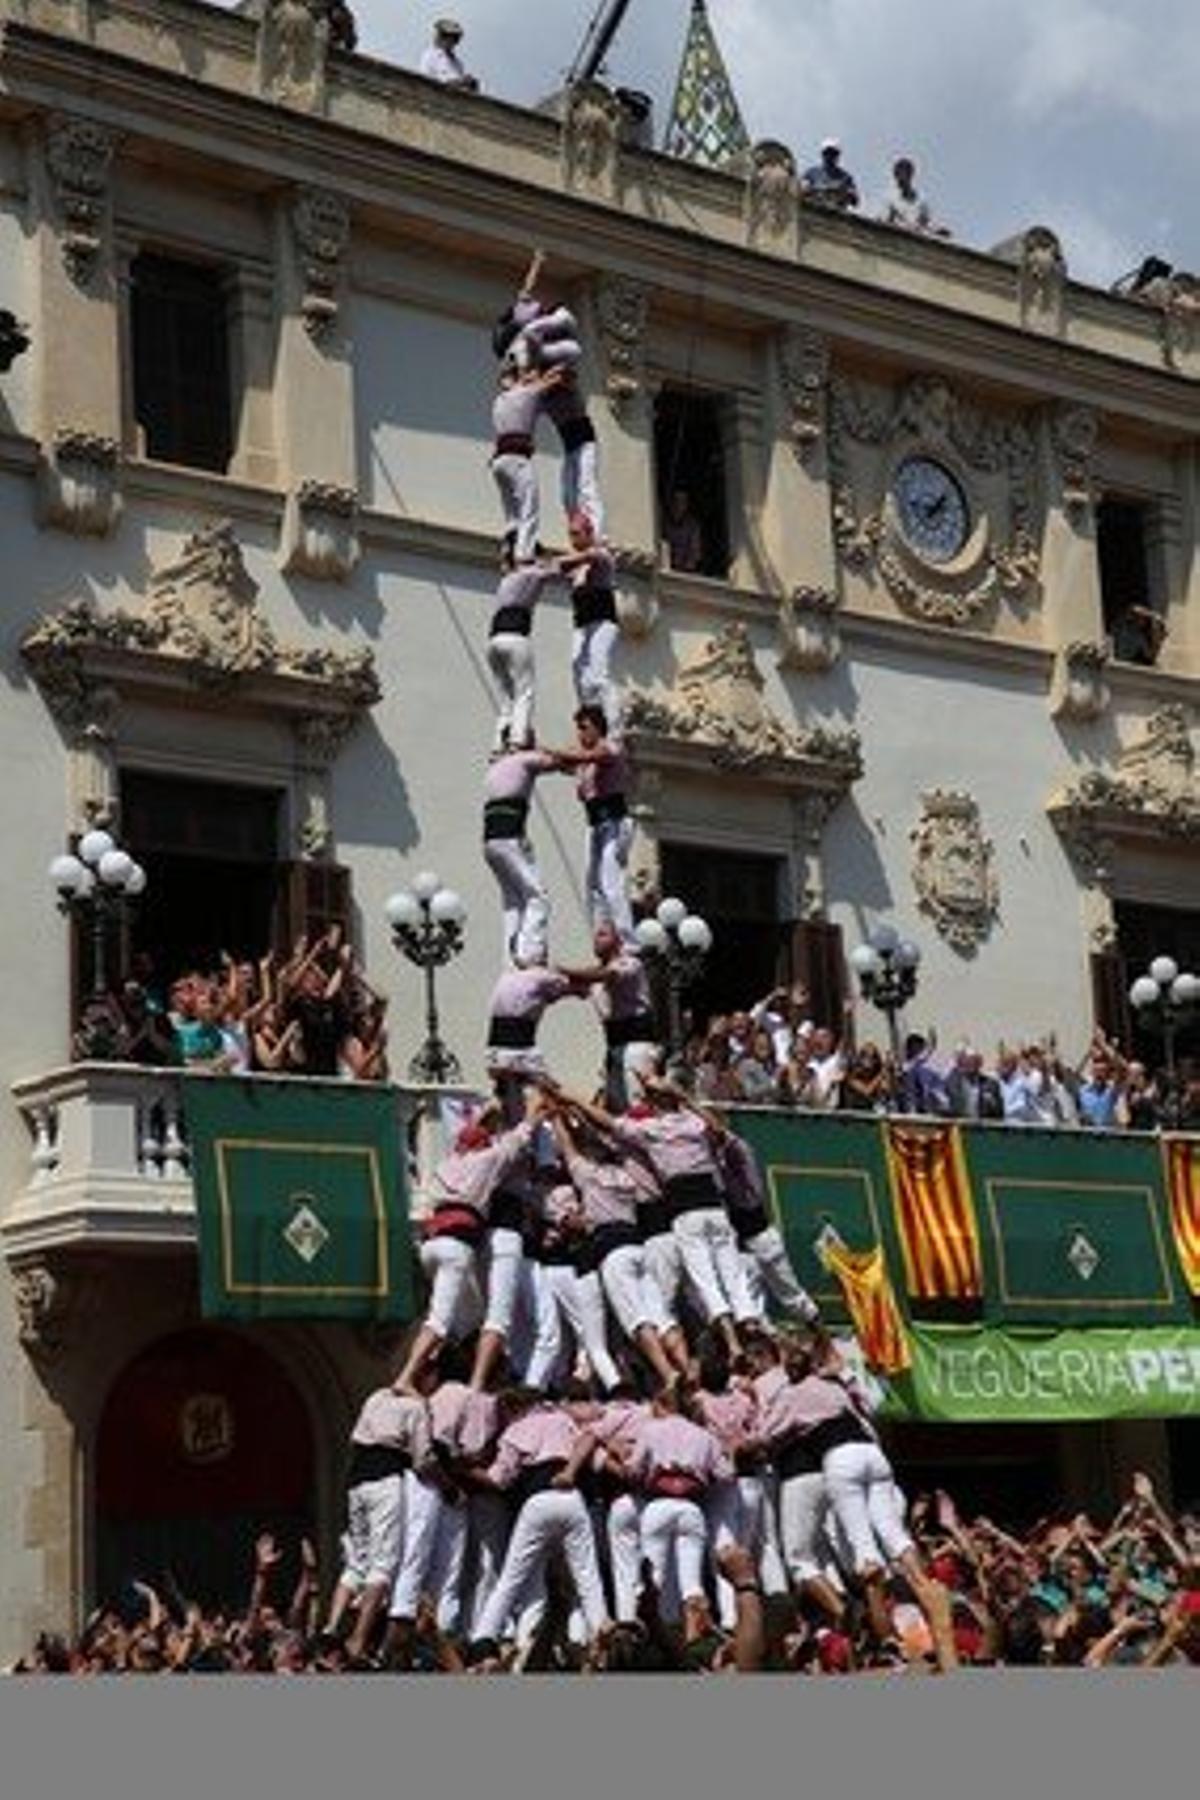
(1164, 999)
(674, 944)
(427, 924)
(886, 966)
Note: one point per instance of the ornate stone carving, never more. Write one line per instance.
(928, 414)
(621, 309)
(79, 155)
(804, 368)
(320, 737)
(293, 46)
(637, 592)
(1041, 280)
(1079, 691)
(772, 193)
(320, 531)
(717, 703)
(200, 624)
(44, 1299)
(321, 227)
(1180, 310)
(809, 639)
(644, 872)
(79, 483)
(1075, 431)
(1153, 788)
(953, 872)
(592, 138)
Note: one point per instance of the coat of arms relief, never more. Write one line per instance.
(954, 871)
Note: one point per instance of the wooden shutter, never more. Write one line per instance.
(312, 897)
(1110, 1001)
(818, 961)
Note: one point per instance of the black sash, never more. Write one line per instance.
(515, 620)
(747, 1224)
(506, 1210)
(607, 1238)
(637, 1028)
(605, 807)
(513, 443)
(796, 1458)
(575, 432)
(654, 1218)
(503, 819)
(593, 606)
(374, 1462)
(512, 1034)
(536, 1479)
(845, 1429)
(691, 1193)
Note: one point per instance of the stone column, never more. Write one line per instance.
(250, 312)
(797, 521)
(621, 404)
(1071, 607)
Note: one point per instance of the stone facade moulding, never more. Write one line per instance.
(772, 197)
(79, 483)
(293, 50)
(810, 641)
(200, 636)
(591, 140)
(953, 871)
(804, 363)
(992, 462)
(321, 228)
(1041, 267)
(1075, 434)
(1151, 796)
(638, 600)
(622, 306)
(321, 531)
(79, 156)
(1079, 691)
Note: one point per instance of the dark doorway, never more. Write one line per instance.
(211, 854)
(739, 896)
(689, 453)
(181, 387)
(204, 1443)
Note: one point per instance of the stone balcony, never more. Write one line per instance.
(109, 1164)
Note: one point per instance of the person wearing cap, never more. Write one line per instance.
(440, 61)
(907, 208)
(524, 902)
(827, 182)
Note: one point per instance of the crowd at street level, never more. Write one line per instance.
(1067, 1593)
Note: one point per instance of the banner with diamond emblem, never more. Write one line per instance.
(301, 1199)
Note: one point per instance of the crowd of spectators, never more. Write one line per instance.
(1068, 1593)
(773, 1054)
(310, 1013)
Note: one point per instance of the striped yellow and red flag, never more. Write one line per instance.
(935, 1213)
(871, 1304)
(1182, 1156)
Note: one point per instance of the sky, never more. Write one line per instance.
(1076, 114)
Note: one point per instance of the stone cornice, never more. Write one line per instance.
(860, 280)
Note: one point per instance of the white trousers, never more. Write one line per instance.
(487, 1541)
(767, 1271)
(625, 1554)
(516, 480)
(867, 1504)
(592, 649)
(664, 1264)
(435, 1535)
(556, 1519)
(450, 1266)
(505, 1264)
(711, 1262)
(581, 484)
(675, 1542)
(631, 1291)
(742, 1512)
(524, 902)
(804, 1521)
(374, 1529)
(511, 660)
(569, 1301)
(608, 846)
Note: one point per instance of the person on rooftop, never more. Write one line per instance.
(827, 182)
(441, 61)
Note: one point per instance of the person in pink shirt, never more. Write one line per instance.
(524, 902)
(615, 1429)
(515, 413)
(568, 1295)
(538, 1461)
(510, 651)
(620, 990)
(767, 1267)
(675, 1462)
(519, 999)
(461, 1193)
(592, 569)
(603, 786)
(740, 1511)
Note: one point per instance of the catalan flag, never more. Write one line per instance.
(1182, 1156)
(935, 1214)
(871, 1303)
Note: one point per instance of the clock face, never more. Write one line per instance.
(934, 515)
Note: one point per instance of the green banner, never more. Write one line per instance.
(981, 1375)
(301, 1202)
(1074, 1229)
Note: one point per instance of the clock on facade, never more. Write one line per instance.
(933, 511)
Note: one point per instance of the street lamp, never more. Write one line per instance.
(674, 943)
(96, 884)
(1164, 999)
(427, 924)
(886, 966)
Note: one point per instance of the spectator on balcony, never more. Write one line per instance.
(869, 1082)
(755, 1071)
(1140, 1102)
(907, 208)
(785, 1014)
(715, 1078)
(682, 534)
(1138, 633)
(827, 183)
(922, 1087)
(196, 1021)
(441, 61)
(814, 1072)
(149, 1039)
(1099, 1095)
(315, 1001)
(278, 1047)
(971, 1093)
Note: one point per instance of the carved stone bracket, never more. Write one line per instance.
(772, 195)
(79, 483)
(1180, 313)
(644, 873)
(320, 738)
(804, 371)
(320, 531)
(79, 155)
(321, 227)
(811, 813)
(45, 1299)
(638, 604)
(717, 706)
(1003, 555)
(293, 48)
(621, 311)
(953, 872)
(809, 639)
(591, 140)
(1079, 691)
(1075, 432)
(1041, 280)
(1152, 794)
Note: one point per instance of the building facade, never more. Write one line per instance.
(938, 662)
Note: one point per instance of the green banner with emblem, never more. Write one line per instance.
(301, 1199)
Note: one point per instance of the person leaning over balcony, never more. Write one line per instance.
(441, 62)
(827, 182)
(907, 208)
(970, 1092)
